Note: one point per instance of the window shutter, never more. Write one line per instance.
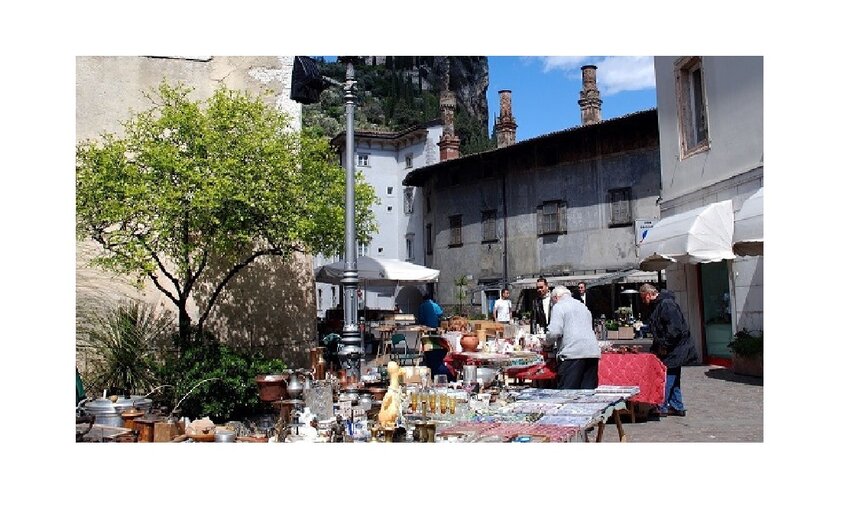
(539, 215)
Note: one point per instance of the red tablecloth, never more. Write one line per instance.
(642, 369)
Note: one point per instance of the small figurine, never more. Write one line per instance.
(392, 401)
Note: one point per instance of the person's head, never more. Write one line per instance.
(504, 293)
(647, 293)
(558, 292)
(541, 287)
(581, 287)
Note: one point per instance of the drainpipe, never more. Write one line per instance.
(505, 237)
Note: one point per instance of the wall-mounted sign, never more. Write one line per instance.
(642, 226)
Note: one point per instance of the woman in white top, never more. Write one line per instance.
(503, 308)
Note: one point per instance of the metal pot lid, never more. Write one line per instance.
(100, 404)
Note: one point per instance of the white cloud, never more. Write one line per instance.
(625, 73)
(566, 63)
(615, 73)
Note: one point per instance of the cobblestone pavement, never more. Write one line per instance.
(720, 407)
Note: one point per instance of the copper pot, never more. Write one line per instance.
(129, 416)
(272, 387)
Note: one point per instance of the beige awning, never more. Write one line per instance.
(748, 226)
(701, 235)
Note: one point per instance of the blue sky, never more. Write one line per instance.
(545, 90)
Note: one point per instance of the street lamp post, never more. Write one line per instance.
(350, 351)
(306, 86)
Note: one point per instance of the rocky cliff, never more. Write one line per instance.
(395, 92)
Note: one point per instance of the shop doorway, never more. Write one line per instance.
(716, 312)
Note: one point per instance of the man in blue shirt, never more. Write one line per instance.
(430, 312)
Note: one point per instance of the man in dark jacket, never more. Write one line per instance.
(672, 343)
(541, 307)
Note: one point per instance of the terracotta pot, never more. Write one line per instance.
(469, 342)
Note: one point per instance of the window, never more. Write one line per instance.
(363, 160)
(489, 225)
(409, 160)
(455, 230)
(409, 247)
(692, 106)
(390, 190)
(390, 208)
(363, 249)
(408, 200)
(551, 218)
(429, 239)
(619, 203)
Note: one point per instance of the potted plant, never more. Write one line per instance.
(747, 353)
(611, 329)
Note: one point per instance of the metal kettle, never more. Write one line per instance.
(295, 387)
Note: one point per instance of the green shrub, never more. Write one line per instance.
(229, 391)
(128, 340)
(746, 343)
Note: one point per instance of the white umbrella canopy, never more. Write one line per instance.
(380, 272)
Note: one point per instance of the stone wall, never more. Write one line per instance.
(270, 305)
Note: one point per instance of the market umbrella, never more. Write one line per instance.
(380, 272)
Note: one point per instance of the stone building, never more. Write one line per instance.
(563, 205)
(269, 305)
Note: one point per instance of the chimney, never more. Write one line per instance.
(505, 125)
(590, 98)
(449, 142)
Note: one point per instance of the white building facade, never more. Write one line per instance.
(384, 159)
(710, 112)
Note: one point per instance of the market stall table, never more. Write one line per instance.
(644, 370)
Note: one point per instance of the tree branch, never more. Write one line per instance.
(231, 273)
(162, 289)
(159, 263)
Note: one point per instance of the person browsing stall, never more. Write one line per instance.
(503, 308)
(672, 344)
(430, 312)
(577, 350)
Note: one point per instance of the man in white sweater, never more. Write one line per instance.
(578, 352)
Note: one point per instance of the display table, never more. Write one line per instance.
(641, 369)
(547, 415)
(508, 362)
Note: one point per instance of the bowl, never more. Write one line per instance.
(486, 375)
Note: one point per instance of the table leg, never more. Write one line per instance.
(601, 426)
(621, 436)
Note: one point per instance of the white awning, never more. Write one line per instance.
(748, 226)
(701, 235)
(379, 271)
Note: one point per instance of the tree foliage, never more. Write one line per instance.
(196, 182)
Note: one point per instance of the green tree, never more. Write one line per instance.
(218, 181)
